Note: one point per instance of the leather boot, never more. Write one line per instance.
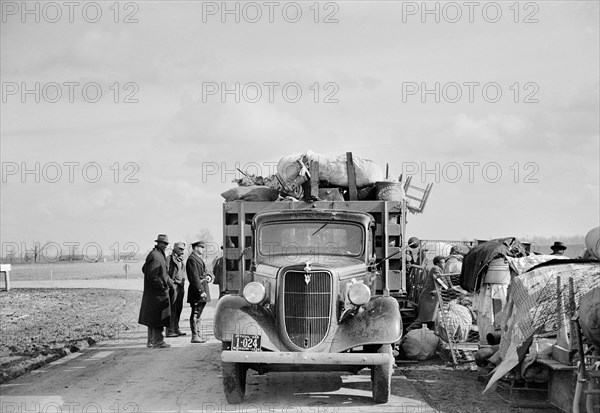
(195, 332)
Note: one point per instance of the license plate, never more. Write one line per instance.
(245, 342)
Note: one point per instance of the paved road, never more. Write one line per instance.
(122, 375)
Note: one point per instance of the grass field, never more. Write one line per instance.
(573, 250)
(111, 269)
(75, 271)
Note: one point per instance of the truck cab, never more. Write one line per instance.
(313, 287)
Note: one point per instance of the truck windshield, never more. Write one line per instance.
(311, 237)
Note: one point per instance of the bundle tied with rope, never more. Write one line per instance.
(293, 171)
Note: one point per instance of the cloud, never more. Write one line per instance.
(191, 195)
(234, 123)
(492, 130)
(69, 203)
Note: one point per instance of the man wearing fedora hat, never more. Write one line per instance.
(198, 291)
(176, 271)
(155, 311)
(558, 248)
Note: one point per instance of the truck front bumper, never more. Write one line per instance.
(275, 357)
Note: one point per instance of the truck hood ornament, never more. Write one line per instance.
(307, 271)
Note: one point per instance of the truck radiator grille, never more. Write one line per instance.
(307, 307)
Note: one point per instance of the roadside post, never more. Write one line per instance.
(5, 270)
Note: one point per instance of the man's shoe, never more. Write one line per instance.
(162, 345)
(169, 334)
(181, 333)
(196, 339)
(149, 345)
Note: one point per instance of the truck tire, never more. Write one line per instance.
(381, 376)
(234, 382)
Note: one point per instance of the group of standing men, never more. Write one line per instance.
(164, 290)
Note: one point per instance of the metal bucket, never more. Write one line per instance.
(389, 191)
(498, 272)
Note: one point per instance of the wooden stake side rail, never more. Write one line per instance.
(237, 235)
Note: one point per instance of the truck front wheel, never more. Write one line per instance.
(381, 376)
(234, 382)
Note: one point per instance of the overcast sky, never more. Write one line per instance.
(498, 101)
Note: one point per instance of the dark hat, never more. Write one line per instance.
(198, 244)
(558, 246)
(459, 249)
(162, 238)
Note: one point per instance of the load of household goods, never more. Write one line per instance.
(526, 304)
(521, 303)
(336, 176)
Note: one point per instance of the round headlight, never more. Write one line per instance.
(359, 294)
(254, 292)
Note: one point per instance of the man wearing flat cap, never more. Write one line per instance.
(176, 271)
(198, 291)
(155, 311)
(558, 248)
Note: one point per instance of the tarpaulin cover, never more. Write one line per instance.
(253, 193)
(522, 264)
(532, 306)
(293, 169)
(476, 261)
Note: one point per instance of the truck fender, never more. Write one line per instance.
(379, 322)
(234, 315)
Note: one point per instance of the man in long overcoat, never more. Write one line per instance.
(219, 278)
(155, 311)
(198, 291)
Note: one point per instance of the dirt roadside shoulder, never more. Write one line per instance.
(45, 320)
(39, 326)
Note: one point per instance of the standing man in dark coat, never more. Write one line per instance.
(198, 292)
(176, 271)
(155, 311)
(219, 279)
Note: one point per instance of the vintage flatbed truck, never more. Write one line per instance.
(313, 286)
